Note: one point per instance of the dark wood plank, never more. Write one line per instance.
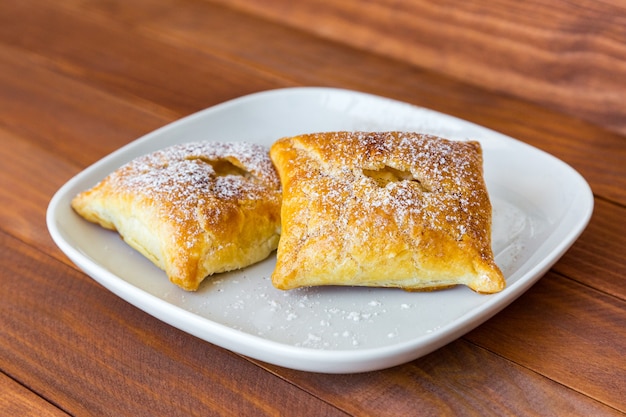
(568, 56)
(560, 322)
(29, 176)
(458, 379)
(67, 338)
(598, 258)
(171, 80)
(74, 121)
(16, 400)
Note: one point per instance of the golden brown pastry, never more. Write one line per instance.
(193, 209)
(385, 209)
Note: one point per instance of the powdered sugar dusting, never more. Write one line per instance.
(420, 180)
(182, 181)
(189, 164)
(447, 186)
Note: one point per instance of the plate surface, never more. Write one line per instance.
(540, 207)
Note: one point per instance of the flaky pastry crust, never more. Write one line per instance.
(193, 209)
(387, 209)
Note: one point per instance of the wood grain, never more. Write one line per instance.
(49, 109)
(568, 56)
(97, 355)
(583, 325)
(37, 174)
(146, 71)
(16, 400)
(82, 78)
(458, 379)
(598, 258)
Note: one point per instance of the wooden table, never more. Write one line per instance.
(81, 78)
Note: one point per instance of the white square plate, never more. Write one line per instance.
(540, 207)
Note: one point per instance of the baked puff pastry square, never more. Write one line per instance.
(387, 209)
(193, 209)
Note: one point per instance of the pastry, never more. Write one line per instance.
(388, 209)
(193, 209)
